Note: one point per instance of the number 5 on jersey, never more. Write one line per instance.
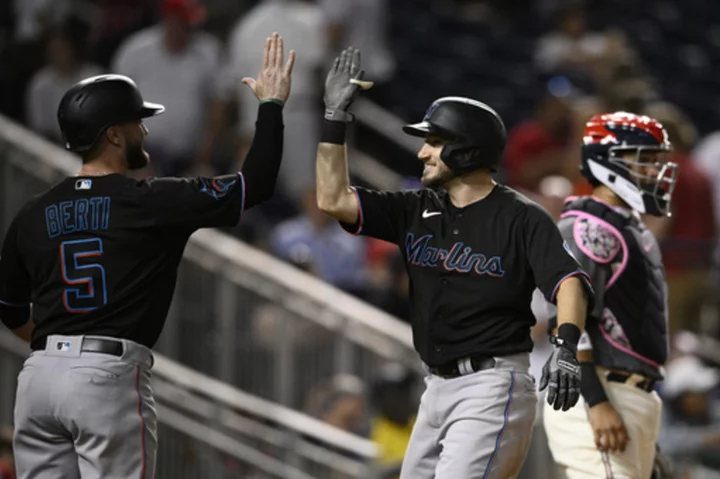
(83, 274)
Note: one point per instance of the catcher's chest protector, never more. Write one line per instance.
(629, 330)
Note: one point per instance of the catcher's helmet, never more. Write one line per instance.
(475, 133)
(607, 137)
(89, 107)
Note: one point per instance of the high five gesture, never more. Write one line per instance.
(273, 81)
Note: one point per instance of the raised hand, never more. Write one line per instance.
(273, 82)
(344, 82)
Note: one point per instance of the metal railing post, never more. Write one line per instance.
(344, 353)
(284, 362)
(226, 336)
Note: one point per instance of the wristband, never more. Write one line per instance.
(591, 388)
(570, 334)
(273, 100)
(333, 132)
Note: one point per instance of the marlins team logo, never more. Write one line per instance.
(216, 188)
(459, 257)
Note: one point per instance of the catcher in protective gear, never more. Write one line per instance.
(613, 430)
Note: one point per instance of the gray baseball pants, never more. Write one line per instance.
(476, 426)
(85, 415)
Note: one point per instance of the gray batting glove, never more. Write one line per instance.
(561, 375)
(343, 85)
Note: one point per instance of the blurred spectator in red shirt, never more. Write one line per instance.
(688, 237)
(706, 157)
(535, 148)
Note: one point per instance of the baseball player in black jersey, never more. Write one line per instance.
(612, 430)
(95, 259)
(475, 251)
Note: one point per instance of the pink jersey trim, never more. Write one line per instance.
(628, 351)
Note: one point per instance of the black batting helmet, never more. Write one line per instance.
(94, 104)
(475, 133)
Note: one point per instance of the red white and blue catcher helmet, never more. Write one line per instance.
(607, 137)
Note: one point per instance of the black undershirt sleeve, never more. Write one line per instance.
(590, 386)
(262, 163)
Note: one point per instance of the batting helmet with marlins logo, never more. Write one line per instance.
(475, 133)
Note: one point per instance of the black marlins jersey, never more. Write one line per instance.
(472, 270)
(99, 255)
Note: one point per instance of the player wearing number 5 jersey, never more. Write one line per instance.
(95, 259)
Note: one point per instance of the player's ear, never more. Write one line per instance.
(114, 135)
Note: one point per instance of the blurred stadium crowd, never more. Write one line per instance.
(545, 65)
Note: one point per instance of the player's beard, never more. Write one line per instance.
(136, 157)
(437, 178)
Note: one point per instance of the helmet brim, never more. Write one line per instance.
(151, 109)
(425, 128)
(421, 129)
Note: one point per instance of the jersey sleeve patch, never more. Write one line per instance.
(597, 239)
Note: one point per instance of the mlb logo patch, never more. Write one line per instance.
(63, 346)
(83, 184)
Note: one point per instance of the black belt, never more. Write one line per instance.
(452, 369)
(646, 384)
(102, 346)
